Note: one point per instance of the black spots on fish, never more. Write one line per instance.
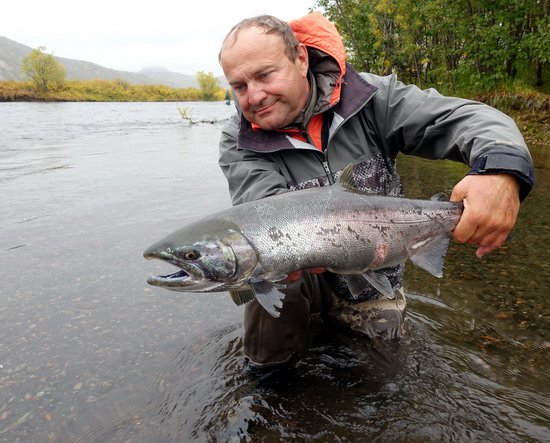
(354, 233)
(385, 230)
(417, 210)
(440, 216)
(330, 231)
(278, 236)
(331, 235)
(357, 236)
(275, 233)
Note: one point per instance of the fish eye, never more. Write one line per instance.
(191, 255)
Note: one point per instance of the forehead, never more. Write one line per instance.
(251, 43)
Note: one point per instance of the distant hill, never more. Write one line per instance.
(12, 53)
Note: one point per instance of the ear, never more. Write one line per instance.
(303, 59)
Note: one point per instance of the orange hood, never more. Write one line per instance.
(321, 37)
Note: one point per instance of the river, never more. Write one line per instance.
(90, 353)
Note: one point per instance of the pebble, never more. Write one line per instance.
(503, 315)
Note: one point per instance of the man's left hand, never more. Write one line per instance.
(491, 206)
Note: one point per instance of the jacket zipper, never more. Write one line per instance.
(324, 162)
(326, 167)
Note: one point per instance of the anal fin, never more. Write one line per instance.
(357, 284)
(428, 254)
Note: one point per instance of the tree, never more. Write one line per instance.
(43, 69)
(472, 44)
(209, 85)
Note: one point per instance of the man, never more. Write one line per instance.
(304, 114)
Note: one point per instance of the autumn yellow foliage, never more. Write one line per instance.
(100, 90)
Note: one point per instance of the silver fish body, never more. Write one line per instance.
(251, 248)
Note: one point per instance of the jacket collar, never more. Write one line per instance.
(356, 92)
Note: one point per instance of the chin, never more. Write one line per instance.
(266, 125)
(269, 127)
(271, 124)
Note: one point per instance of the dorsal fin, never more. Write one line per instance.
(347, 181)
(346, 178)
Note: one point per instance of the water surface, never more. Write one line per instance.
(89, 352)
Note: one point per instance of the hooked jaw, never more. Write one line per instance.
(170, 281)
(210, 256)
(187, 278)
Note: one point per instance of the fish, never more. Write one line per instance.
(250, 249)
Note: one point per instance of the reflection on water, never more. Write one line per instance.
(89, 352)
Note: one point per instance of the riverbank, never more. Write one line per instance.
(100, 91)
(530, 110)
(534, 126)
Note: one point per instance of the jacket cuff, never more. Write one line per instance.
(507, 164)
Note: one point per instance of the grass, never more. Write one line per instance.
(530, 109)
(100, 90)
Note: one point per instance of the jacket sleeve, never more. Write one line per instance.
(250, 176)
(427, 124)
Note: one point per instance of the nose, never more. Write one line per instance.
(255, 95)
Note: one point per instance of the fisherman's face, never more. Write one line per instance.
(271, 89)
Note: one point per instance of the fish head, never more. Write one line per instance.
(213, 256)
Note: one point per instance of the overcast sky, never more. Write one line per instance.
(180, 35)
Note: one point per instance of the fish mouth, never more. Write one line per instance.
(188, 277)
(179, 278)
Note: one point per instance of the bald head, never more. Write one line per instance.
(269, 25)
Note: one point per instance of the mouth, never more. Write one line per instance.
(265, 110)
(181, 278)
(178, 278)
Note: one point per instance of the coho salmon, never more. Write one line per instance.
(250, 249)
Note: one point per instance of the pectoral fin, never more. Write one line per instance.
(269, 297)
(428, 254)
(267, 294)
(242, 296)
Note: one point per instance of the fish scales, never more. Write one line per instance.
(338, 229)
